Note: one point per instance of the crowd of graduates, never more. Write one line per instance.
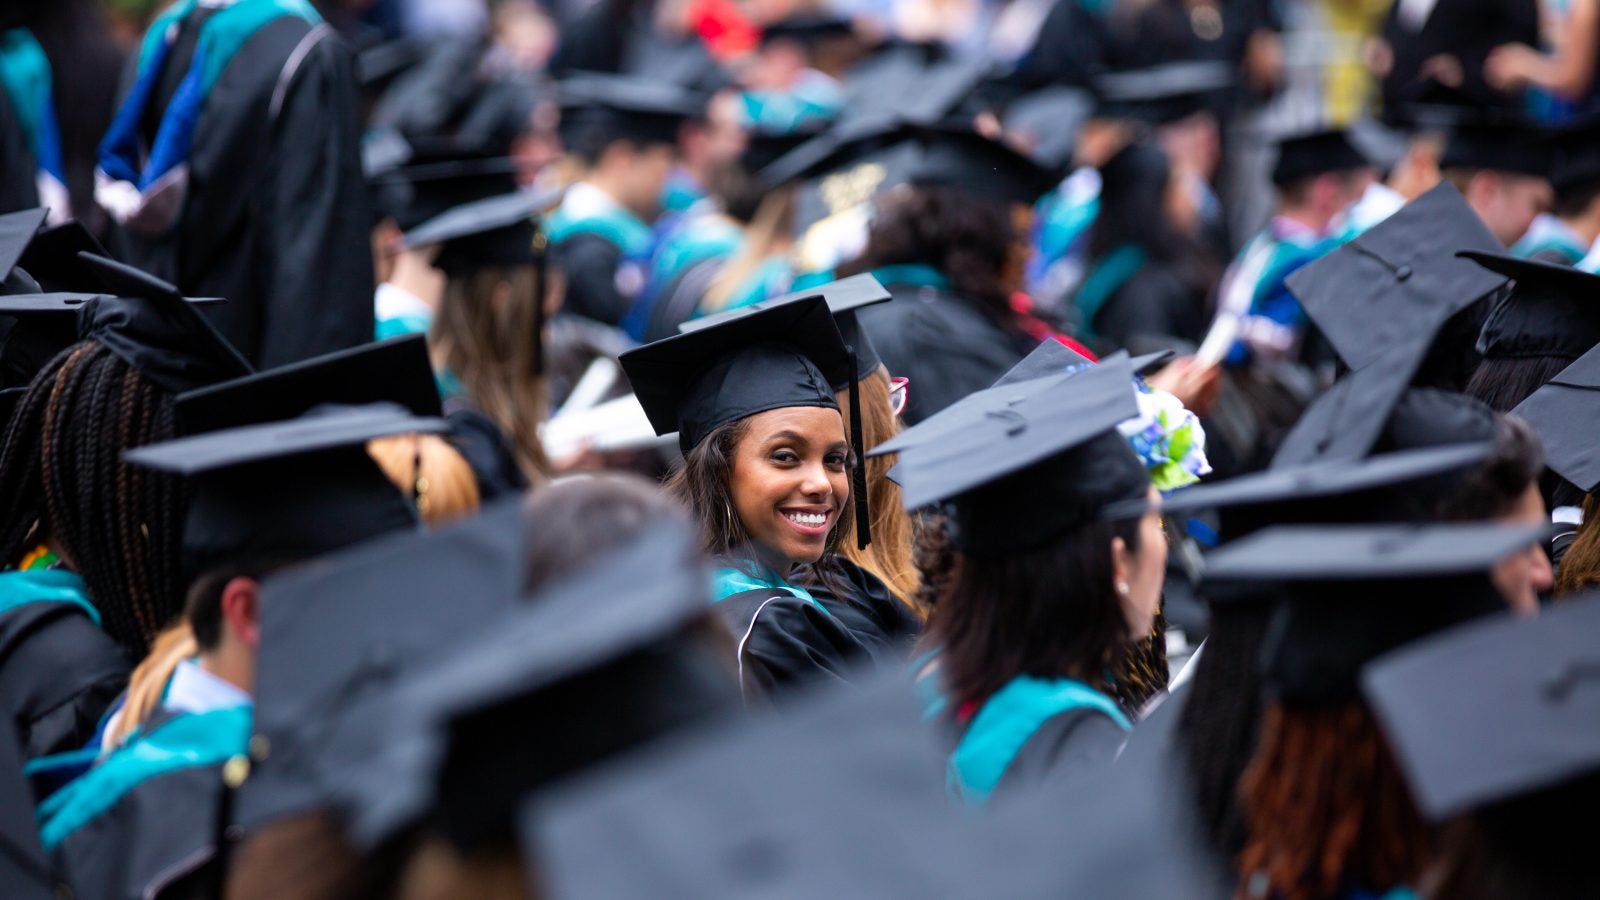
(712, 449)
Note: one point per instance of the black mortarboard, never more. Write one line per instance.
(1575, 162)
(1500, 146)
(1024, 472)
(807, 28)
(1353, 592)
(598, 665)
(1049, 121)
(1304, 156)
(1400, 280)
(288, 490)
(423, 179)
(496, 231)
(1164, 93)
(1550, 311)
(992, 170)
(52, 257)
(765, 146)
(336, 635)
(844, 297)
(789, 355)
(1493, 710)
(17, 230)
(154, 329)
(597, 109)
(393, 371)
(839, 797)
(1563, 413)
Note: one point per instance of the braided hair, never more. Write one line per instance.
(61, 477)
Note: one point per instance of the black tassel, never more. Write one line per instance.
(858, 475)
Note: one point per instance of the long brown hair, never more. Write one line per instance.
(489, 333)
(1328, 809)
(889, 556)
(765, 236)
(1580, 567)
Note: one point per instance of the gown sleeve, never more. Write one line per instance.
(58, 674)
(863, 604)
(319, 262)
(786, 644)
(590, 263)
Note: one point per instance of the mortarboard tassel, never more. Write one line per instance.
(858, 474)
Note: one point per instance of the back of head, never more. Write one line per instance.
(576, 521)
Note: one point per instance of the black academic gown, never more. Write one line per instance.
(58, 674)
(275, 218)
(942, 343)
(863, 604)
(19, 187)
(1066, 749)
(1155, 306)
(786, 644)
(486, 450)
(590, 263)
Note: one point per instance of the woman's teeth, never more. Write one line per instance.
(810, 520)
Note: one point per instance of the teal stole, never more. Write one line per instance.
(187, 741)
(1102, 283)
(736, 579)
(912, 275)
(1006, 722)
(19, 588)
(616, 225)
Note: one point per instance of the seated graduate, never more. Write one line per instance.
(1561, 412)
(876, 597)
(1050, 587)
(766, 475)
(149, 818)
(1565, 235)
(90, 546)
(488, 338)
(1327, 811)
(624, 133)
(1503, 781)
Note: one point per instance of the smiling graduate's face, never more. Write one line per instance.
(789, 482)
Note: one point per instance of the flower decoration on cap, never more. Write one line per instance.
(1167, 437)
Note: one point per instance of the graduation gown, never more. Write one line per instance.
(275, 216)
(786, 643)
(18, 185)
(58, 671)
(591, 262)
(863, 604)
(1149, 303)
(942, 343)
(144, 822)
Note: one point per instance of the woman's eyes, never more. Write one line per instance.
(785, 456)
(836, 460)
(789, 457)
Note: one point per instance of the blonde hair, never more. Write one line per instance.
(148, 682)
(889, 556)
(489, 333)
(767, 235)
(445, 488)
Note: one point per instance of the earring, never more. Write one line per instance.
(1122, 588)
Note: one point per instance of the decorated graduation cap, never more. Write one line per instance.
(1353, 592)
(1303, 156)
(1550, 311)
(495, 231)
(1561, 412)
(396, 371)
(338, 635)
(601, 664)
(842, 795)
(783, 356)
(150, 325)
(598, 109)
(1493, 711)
(1022, 473)
(287, 490)
(1164, 93)
(843, 297)
(1501, 146)
(1400, 281)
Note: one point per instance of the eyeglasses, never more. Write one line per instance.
(899, 391)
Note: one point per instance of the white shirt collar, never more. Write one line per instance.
(194, 690)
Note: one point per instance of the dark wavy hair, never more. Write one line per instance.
(969, 239)
(1048, 612)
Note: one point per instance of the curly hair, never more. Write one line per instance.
(62, 478)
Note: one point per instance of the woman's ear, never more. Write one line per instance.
(1121, 565)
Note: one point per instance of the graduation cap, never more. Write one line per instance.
(1023, 472)
(150, 325)
(1304, 156)
(1561, 412)
(1575, 161)
(1494, 710)
(17, 230)
(841, 796)
(33, 329)
(1550, 311)
(765, 146)
(1353, 592)
(843, 297)
(397, 371)
(496, 231)
(289, 490)
(782, 356)
(1500, 146)
(1164, 93)
(597, 109)
(807, 29)
(598, 665)
(336, 635)
(1048, 122)
(51, 256)
(1400, 280)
